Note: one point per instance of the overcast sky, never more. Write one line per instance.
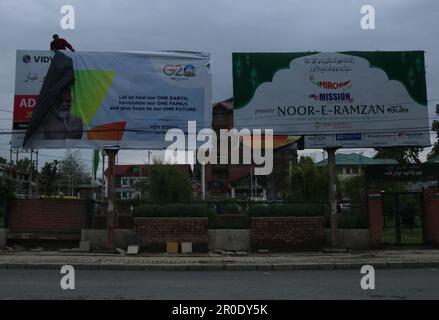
(219, 27)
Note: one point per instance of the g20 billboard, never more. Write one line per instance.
(341, 99)
(98, 99)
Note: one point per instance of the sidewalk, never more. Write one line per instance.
(425, 258)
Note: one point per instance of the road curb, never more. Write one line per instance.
(226, 266)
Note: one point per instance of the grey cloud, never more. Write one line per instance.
(219, 27)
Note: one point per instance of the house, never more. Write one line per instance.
(130, 178)
(351, 164)
(237, 180)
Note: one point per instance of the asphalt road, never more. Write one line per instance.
(223, 285)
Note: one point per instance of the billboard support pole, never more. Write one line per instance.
(111, 153)
(203, 181)
(333, 194)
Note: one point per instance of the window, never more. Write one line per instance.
(124, 182)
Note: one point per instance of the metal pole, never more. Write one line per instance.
(36, 174)
(332, 194)
(203, 181)
(30, 173)
(251, 182)
(103, 175)
(110, 196)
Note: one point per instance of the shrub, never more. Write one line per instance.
(285, 210)
(232, 208)
(171, 210)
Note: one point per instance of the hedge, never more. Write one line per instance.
(287, 210)
(171, 210)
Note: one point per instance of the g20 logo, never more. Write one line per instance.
(178, 70)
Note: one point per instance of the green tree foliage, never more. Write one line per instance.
(49, 176)
(168, 185)
(354, 187)
(401, 154)
(72, 165)
(142, 187)
(25, 165)
(435, 127)
(309, 183)
(7, 187)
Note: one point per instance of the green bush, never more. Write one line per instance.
(286, 210)
(232, 208)
(171, 210)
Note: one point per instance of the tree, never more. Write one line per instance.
(403, 155)
(25, 165)
(168, 185)
(7, 187)
(309, 183)
(354, 187)
(142, 187)
(73, 166)
(49, 176)
(277, 181)
(435, 127)
(3, 160)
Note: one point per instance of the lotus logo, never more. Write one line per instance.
(26, 58)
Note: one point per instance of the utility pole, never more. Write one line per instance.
(333, 194)
(111, 153)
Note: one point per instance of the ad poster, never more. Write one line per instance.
(343, 99)
(99, 99)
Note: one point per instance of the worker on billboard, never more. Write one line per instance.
(60, 44)
(60, 123)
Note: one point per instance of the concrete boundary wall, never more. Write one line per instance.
(230, 239)
(98, 237)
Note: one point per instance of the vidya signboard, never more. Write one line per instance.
(98, 99)
(345, 99)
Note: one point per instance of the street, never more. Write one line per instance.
(223, 285)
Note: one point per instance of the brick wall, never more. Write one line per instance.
(374, 199)
(287, 233)
(155, 232)
(431, 210)
(47, 216)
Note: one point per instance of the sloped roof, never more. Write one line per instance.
(228, 104)
(355, 159)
